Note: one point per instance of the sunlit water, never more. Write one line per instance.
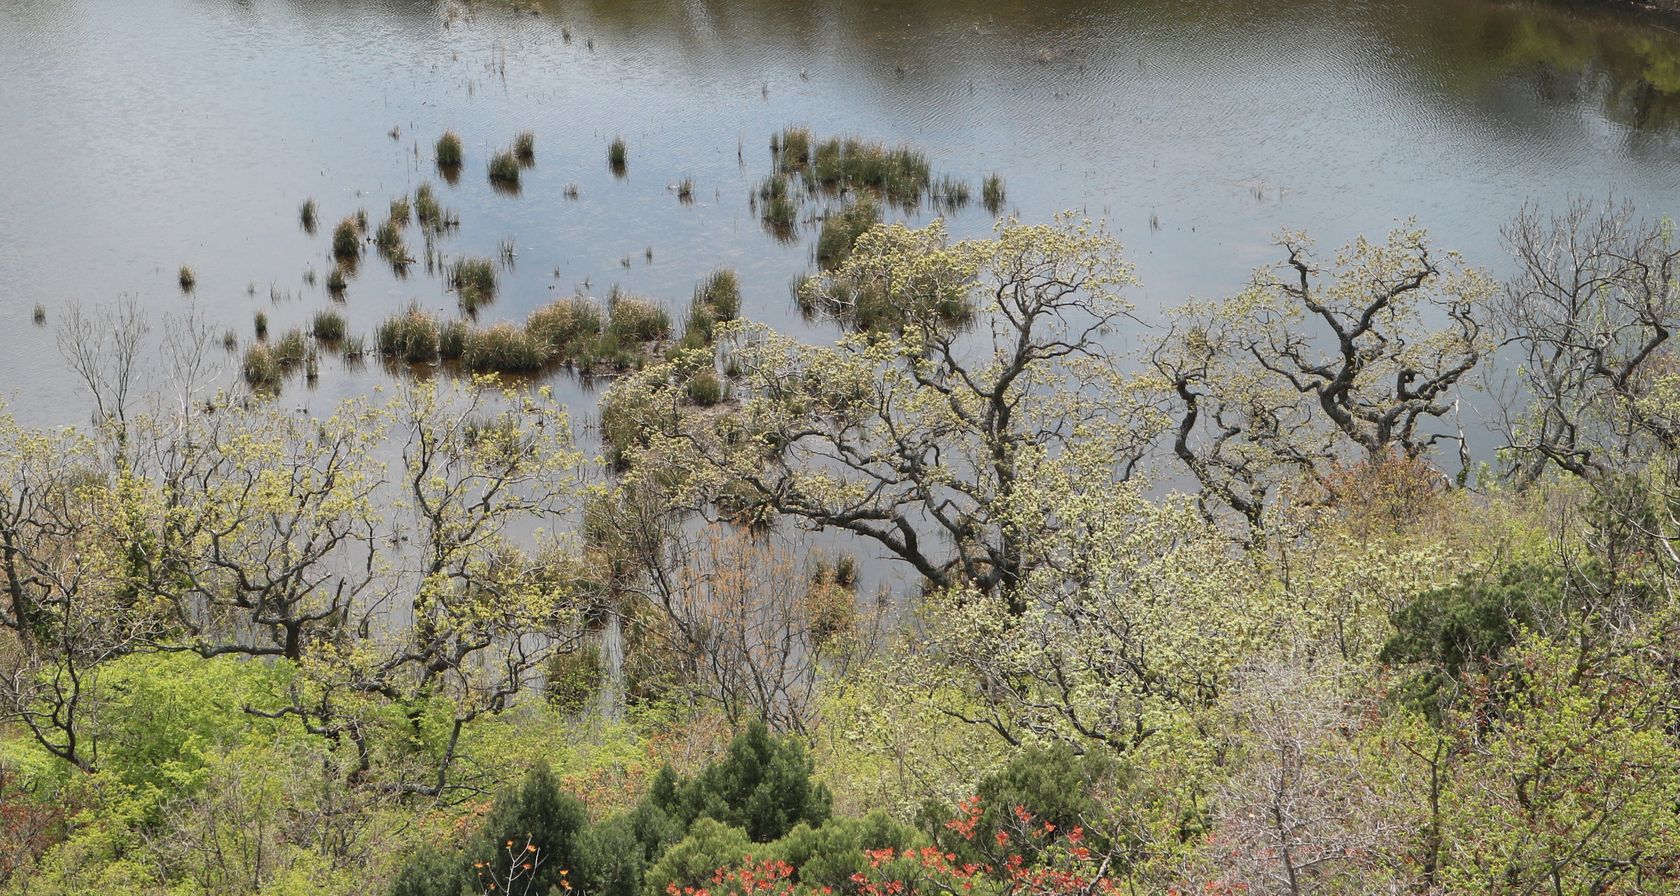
(138, 137)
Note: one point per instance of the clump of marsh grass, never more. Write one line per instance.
(352, 348)
(474, 282)
(410, 336)
(840, 231)
(336, 282)
(567, 327)
(389, 241)
(312, 366)
(618, 156)
(448, 152)
(866, 307)
(39, 315)
(259, 325)
(634, 319)
(399, 211)
(230, 340)
(430, 213)
(328, 326)
(571, 191)
(188, 279)
(306, 216)
(717, 299)
(452, 340)
(900, 174)
(291, 349)
(503, 348)
(347, 241)
(777, 208)
(525, 148)
(504, 171)
(991, 193)
(262, 371)
(685, 190)
(792, 150)
(705, 388)
(951, 193)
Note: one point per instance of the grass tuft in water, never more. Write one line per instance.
(504, 169)
(793, 150)
(188, 279)
(306, 216)
(525, 148)
(716, 300)
(567, 327)
(449, 153)
(841, 229)
(262, 371)
(452, 340)
(328, 326)
(991, 193)
(410, 336)
(618, 156)
(634, 319)
(260, 326)
(430, 213)
(39, 315)
(389, 241)
(503, 348)
(685, 190)
(347, 241)
(777, 207)
(336, 282)
(474, 282)
(951, 193)
(399, 211)
(900, 174)
(291, 349)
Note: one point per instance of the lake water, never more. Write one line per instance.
(141, 136)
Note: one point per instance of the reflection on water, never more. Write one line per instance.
(143, 137)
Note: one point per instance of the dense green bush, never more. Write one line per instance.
(762, 785)
(829, 855)
(539, 813)
(710, 845)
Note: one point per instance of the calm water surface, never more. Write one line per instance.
(141, 136)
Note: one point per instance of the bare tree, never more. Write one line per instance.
(1592, 309)
(1298, 814)
(104, 352)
